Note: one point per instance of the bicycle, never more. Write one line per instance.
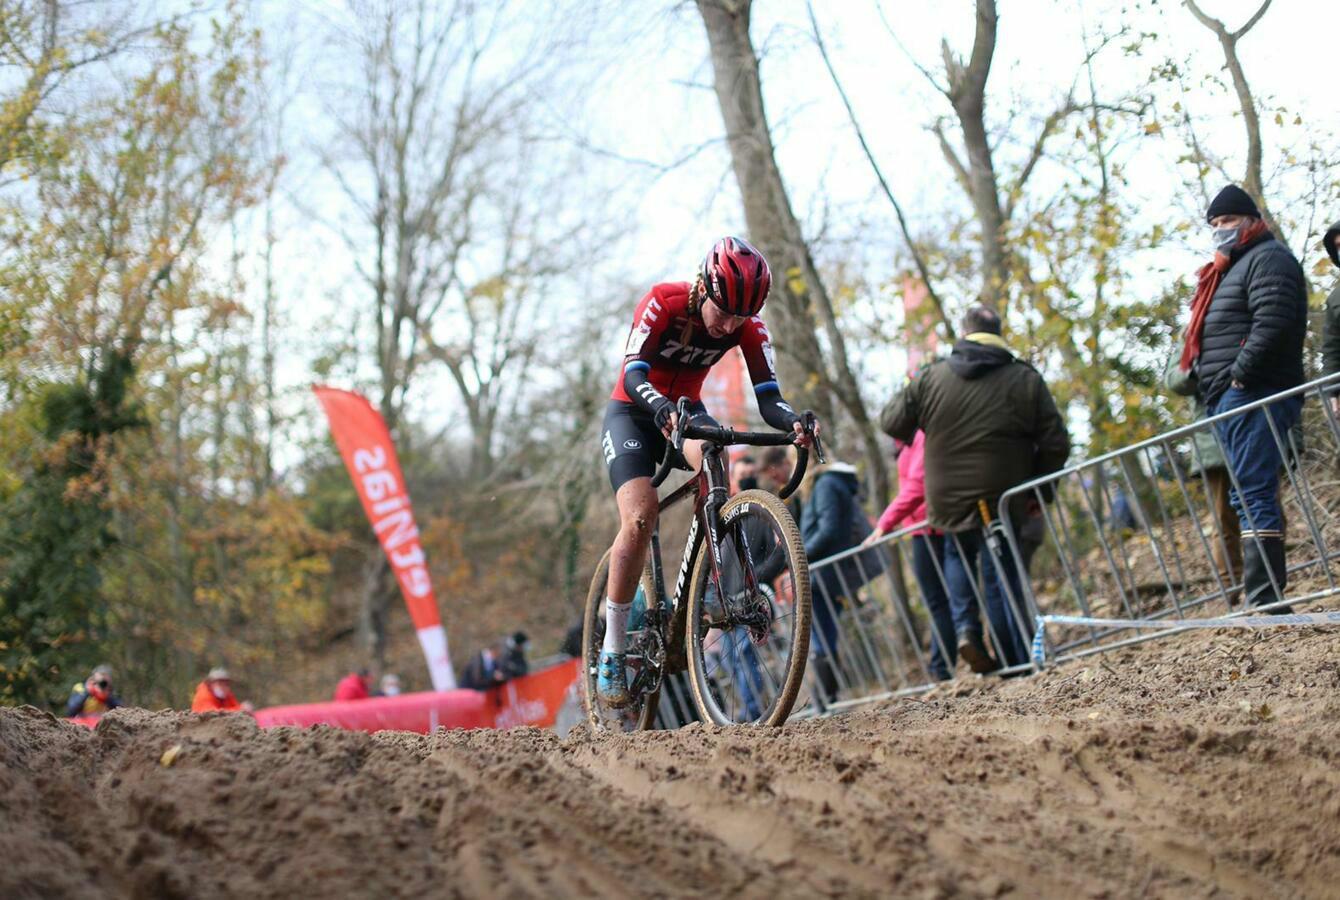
(743, 645)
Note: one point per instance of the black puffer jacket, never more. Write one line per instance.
(1256, 323)
(1330, 328)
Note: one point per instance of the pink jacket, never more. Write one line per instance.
(909, 506)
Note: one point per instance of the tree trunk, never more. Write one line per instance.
(1228, 40)
(268, 341)
(773, 226)
(967, 94)
(376, 594)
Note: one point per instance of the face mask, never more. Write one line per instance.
(748, 483)
(1226, 238)
(218, 690)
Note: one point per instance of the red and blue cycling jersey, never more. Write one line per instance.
(669, 353)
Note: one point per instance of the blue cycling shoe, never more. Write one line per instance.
(611, 687)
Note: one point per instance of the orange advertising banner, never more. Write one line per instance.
(365, 444)
(535, 699)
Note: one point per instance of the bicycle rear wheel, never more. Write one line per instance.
(639, 715)
(748, 638)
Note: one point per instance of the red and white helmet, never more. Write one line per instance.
(736, 276)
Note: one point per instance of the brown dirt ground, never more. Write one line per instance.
(1202, 765)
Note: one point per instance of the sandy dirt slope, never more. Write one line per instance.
(1204, 765)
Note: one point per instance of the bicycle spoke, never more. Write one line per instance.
(746, 631)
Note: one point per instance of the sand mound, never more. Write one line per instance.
(1207, 764)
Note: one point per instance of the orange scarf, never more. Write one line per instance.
(1208, 278)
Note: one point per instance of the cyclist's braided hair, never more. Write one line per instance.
(694, 305)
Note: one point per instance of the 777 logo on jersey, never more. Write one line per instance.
(682, 353)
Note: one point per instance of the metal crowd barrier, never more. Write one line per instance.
(1145, 532)
(885, 607)
(1132, 534)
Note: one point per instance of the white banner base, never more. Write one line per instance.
(433, 640)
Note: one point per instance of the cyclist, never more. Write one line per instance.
(680, 330)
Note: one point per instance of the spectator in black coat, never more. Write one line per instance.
(831, 521)
(1330, 328)
(1245, 343)
(514, 662)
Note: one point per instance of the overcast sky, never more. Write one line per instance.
(643, 99)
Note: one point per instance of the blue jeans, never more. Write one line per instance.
(927, 551)
(825, 614)
(742, 660)
(1255, 457)
(960, 571)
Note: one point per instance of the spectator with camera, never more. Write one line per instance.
(94, 695)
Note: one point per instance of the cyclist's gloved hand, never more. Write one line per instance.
(805, 438)
(665, 417)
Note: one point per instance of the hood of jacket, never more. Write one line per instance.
(972, 358)
(844, 472)
(1329, 241)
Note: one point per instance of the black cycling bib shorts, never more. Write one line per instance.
(632, 444)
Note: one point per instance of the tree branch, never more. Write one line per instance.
(1049, 126)
(922, 269)
(926, 73)
(1252, 181)
(951, 157)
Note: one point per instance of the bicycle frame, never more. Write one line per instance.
(663, 646)
(709, 490)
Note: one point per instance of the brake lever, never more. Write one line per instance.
(808, 421)
(681, 419)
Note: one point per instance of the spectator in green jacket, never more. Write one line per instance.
(990, 424)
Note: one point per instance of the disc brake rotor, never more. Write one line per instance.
(757, 618)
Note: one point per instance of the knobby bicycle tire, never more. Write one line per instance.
(642, 719)
(753, 502)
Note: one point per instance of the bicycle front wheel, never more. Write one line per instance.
(749, 635)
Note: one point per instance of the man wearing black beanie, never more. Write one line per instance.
(1243, 344)
(1232, 201)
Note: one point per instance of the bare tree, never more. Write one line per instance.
(454, 239)
(43, 43)
(504, 300)
(422, 118)
(804, 300)
(422, 115)
(966, 92)
(1252, 181)
(994, 199)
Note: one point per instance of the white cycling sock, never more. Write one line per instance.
(616, 625)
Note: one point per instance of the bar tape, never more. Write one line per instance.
(1040, 646)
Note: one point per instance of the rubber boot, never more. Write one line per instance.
(1261, 558)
